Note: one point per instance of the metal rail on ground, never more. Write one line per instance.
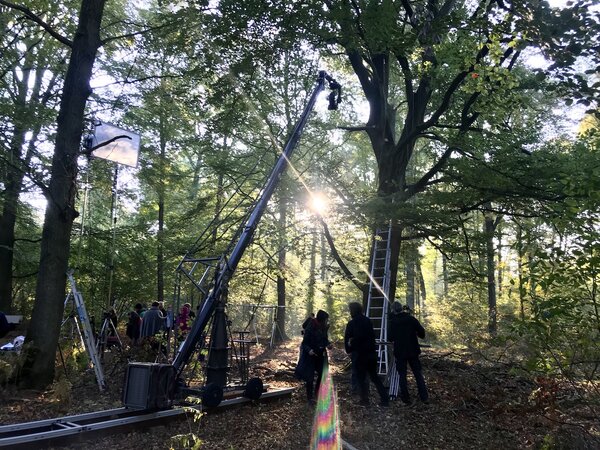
(33, 434)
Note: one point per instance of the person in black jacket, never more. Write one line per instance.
(404, 331)
(313, 352)
(359, 340)
(134, 324)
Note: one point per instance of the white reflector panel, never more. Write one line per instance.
(123, 150)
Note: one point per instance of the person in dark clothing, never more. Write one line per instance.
(313, 352)
(404, 331)
(359, 341)
(307, 321)
(152, 322)
(134, 324)
(161, 308)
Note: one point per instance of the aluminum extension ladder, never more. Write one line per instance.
(85, 328)
(378, 304)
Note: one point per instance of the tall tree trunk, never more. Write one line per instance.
(394, 259)
(218, 205)
(489, 227)
(445, 275)
(112, 247)
(410, 280)
(329, 300)
(500, 262)
(421, 281)
(329, 304)
(8, 224)
(323, 253)
(310, 294)
(42, 334)
(25, 118)
(520, 265)
(281, 266)
(219, 200)
(13, 182)
(529, 251)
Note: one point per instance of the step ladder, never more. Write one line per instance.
(85, 329)
(377, 301)
(378, 306)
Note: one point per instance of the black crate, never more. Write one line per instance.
(149, 386)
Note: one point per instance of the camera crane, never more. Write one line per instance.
(148, 386)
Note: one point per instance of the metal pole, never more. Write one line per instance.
(227, 266)
(113, 219)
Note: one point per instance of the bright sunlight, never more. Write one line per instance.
(318, 203)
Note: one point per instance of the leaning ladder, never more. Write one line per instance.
(377, 301)
(86, 331)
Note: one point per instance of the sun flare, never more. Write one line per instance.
(318, 203)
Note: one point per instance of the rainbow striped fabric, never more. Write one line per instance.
(326, 424)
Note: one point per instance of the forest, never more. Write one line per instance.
(468, 130)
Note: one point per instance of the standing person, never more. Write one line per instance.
(165, 327)
(134, 324)
(152, 322)
(169, 316)
(359, 341)
(161, 308)
(184, 318)
(313, 352)
(404, 330)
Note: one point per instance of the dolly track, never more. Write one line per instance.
(62, 430)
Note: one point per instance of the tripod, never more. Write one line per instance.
(108, 336)
(275, 329)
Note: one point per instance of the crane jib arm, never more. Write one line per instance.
(228, 265)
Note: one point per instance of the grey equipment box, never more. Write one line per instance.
(149, 386)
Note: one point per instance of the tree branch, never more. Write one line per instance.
(361, 71)
(359, 284)
(409, 12)
(136, 33)
(407, 75)
(32, 241)
(454, 85)
(361, 128)
(110, 141)
(475, 271)
(457, 127)
(422, 183)
(35, 18)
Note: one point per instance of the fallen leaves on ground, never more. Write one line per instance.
(473, 406)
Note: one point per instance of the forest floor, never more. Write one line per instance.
(474, 404)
